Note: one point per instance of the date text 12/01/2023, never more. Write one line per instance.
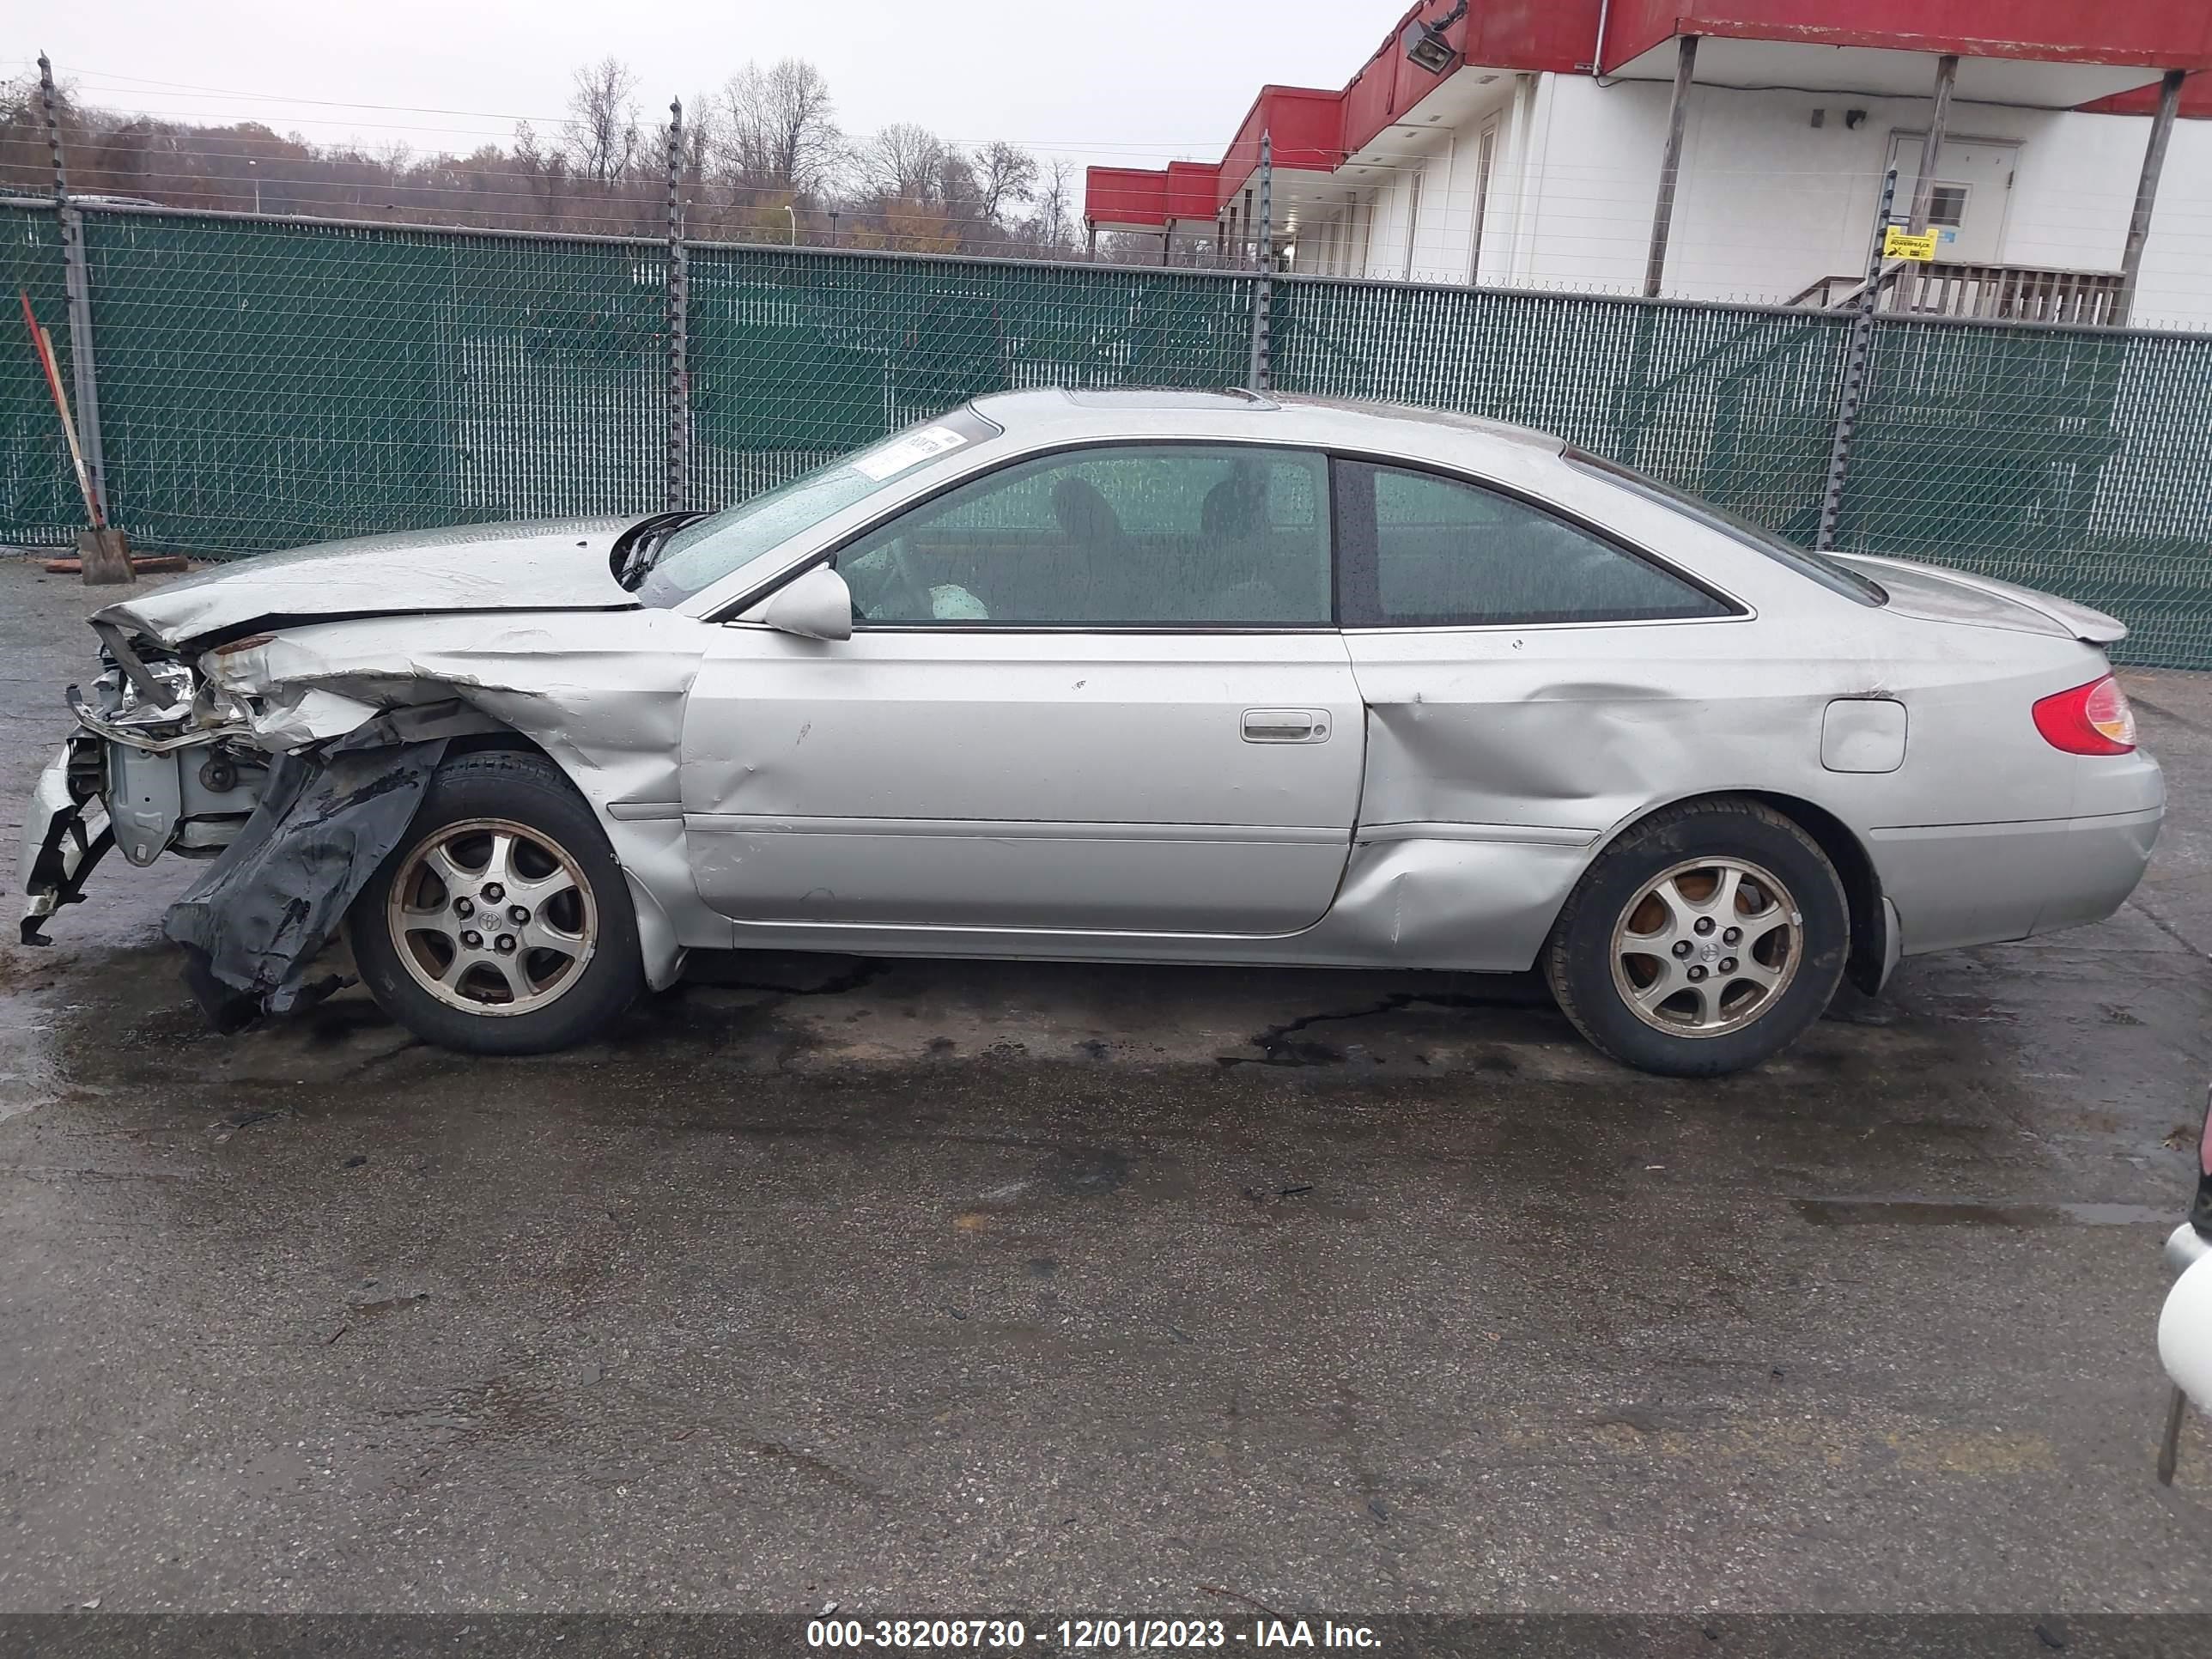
(1080, 1635)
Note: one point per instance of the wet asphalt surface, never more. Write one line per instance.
(937, 1286)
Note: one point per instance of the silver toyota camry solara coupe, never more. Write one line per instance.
(1110, 675)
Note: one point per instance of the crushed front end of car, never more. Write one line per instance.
(280, 719)
(161, 760)
(294, 801)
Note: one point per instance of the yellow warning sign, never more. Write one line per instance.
(1903, 245)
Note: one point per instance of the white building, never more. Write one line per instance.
(1506, 160)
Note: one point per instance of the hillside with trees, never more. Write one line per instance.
(763, 159)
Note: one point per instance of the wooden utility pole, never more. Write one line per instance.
(1923, 188)
(1670, 165)
(2161, 129)
(103, 554)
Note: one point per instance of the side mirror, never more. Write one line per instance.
(816, 606)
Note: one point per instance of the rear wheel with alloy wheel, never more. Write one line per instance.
(1705, 939)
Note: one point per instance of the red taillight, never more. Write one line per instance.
(2090, 720)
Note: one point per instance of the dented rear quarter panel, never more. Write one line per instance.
(1501, 760)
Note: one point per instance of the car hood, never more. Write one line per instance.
(544, 564)
(1936, 594)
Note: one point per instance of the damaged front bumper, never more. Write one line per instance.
(296, 800)
(190, 796)
(159, 763)
(65, 834)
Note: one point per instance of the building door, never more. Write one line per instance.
(1973, 189)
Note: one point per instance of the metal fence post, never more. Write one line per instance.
(1263, 284)
(678, 285)
(1855, 374)
(77, 284)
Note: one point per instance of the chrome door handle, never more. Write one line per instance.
(1286, 726)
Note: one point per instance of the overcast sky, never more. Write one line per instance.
(1135, 81)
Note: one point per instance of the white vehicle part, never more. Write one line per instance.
(61, 842)
(294, 718)
(817, 606)
(1864, 734)
(2185, 1247)
(482, 569)
(145, 799)
(2184, 1334)
(1940, 593)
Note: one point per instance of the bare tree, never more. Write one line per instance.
(1005, 175)
(703, 136)
(905, 163)
(601, 138)
(1053, 224)
(957, 190)
(780, 135)
(541, 179)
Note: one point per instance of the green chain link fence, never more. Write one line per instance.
(265, 382)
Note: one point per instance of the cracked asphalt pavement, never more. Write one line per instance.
(926, 1285)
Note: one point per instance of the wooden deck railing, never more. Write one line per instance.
(2012, 292)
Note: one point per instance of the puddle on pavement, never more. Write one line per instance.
(1951, 1212)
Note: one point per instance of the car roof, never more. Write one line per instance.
(1146, 411)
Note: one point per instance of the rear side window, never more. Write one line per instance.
(1421, 551)
(1836, 578)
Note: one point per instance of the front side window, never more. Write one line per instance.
(1174, 535)
(1421, 551)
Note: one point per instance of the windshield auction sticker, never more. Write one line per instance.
(908, 450)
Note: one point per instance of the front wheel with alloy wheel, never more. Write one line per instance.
(502, 924)
(1705, 939)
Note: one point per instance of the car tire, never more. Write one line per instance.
(1705, 939)
(501, 924)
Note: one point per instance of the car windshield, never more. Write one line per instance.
(702, 552)
(1836, 577)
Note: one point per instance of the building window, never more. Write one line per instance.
(1946, 205)
(1413, 220)
(1486, 153)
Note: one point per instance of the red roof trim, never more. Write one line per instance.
(2140, 34)
(2195, 101)
(1314, 129)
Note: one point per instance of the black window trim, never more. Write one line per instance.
(828, 555)
(1740, 610)
(1737, 609)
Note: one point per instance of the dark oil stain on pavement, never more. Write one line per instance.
(1951, 1212)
